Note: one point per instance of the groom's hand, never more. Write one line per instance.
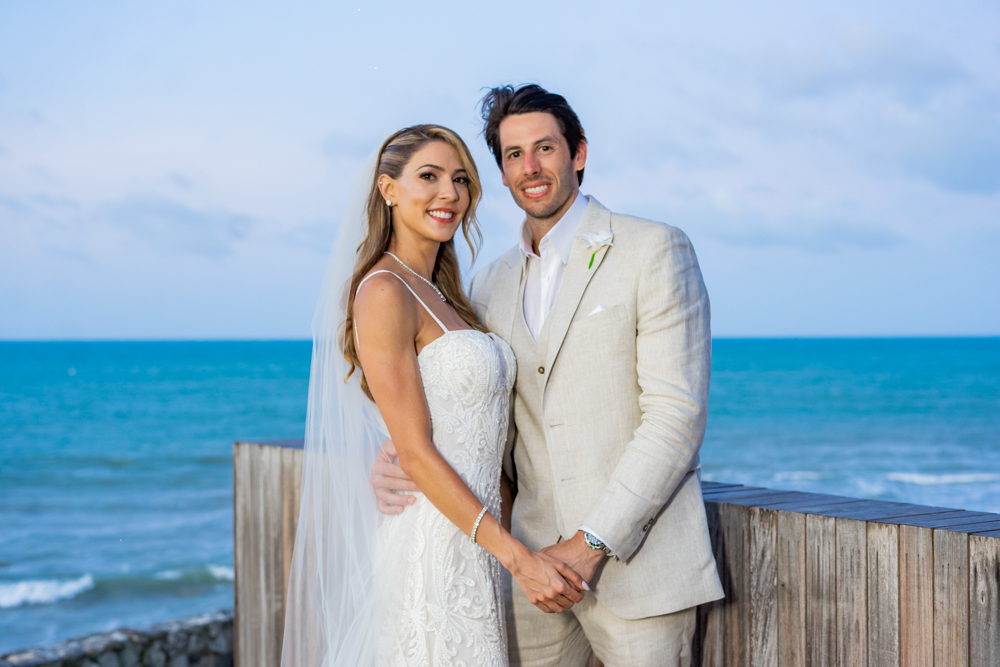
(388, 477)
(575, 553)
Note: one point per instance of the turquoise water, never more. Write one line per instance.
(116, 475)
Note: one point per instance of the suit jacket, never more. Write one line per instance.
(610, 438)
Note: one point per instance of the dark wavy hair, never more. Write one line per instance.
(504, 101)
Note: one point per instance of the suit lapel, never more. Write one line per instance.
(575, 280)
(508, 291)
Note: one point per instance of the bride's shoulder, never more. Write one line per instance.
(382, 291)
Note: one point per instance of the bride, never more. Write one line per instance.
(398, 352)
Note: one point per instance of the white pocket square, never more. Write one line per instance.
(595, 311)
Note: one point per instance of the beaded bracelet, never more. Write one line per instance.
(475, 526)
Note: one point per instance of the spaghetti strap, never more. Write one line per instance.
(429, 311)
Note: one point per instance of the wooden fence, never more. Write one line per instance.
(811, 580)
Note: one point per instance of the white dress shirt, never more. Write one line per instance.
(545, 272)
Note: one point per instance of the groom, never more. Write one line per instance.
(609, 319)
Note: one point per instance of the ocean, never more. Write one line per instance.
(116, 470)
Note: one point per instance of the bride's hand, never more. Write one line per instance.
(550, 584)
(387, 478)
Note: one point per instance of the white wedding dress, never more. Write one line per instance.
(442, 595)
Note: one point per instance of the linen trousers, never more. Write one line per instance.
(538, 639)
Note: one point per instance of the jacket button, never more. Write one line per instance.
(541, 370)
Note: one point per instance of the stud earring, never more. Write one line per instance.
(388, 202)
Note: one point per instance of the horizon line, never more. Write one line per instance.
(307, 340)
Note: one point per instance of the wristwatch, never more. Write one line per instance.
(591, 541)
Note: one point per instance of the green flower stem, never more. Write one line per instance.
(591, 265)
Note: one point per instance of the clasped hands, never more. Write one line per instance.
(553, 579)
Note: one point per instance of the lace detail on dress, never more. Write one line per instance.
(443, 595)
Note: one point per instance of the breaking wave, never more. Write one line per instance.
(42, 591)
(933, 480)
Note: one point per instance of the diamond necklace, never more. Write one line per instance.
(433, 286)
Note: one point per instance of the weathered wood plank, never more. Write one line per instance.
(951, 599)
(978, 530)
(726, 488)
(291, 496)
(754, 498)
(984, 607)
(796, 501)
(821, 508)
(734, 521)
(910, 519)
(976, 527)
(944, 518)
(875, 510)
(883, 595)
(763, 527)
(852, 593)
(792, 594)
(821, 591)
(709, 649)
(240, 528)
(725, 495)
(916, 597)
(707, 486)
(258, 554)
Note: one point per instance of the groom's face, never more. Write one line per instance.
(537, 166)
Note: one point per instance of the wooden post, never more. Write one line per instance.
(709, 649)
(821, 591)
(883, 595)
(916, 597)
(984, 608)
(852, 593)
(792, 592)
(291, 497)
(951, 599)
(763, 566)
(266, 481)
(736, 612)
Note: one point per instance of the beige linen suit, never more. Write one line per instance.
(609, 411)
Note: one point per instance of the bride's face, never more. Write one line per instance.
(431, 196)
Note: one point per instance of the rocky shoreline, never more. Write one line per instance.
(205, 640)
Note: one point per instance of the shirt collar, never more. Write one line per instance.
(562, 234)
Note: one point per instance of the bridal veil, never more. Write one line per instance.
(330, 610)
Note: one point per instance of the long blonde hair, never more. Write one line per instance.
(393, 157)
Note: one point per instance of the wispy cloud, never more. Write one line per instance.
(889, 103)
(812, 231)
(861, 58)
(339, 146)
(175, 225)
(180, 181)
(958, 149)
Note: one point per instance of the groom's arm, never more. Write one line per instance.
(673, 363)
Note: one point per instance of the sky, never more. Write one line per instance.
(176, 170)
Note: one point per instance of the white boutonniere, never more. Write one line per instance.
(595, 241)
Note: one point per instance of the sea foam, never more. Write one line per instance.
(42, 591)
